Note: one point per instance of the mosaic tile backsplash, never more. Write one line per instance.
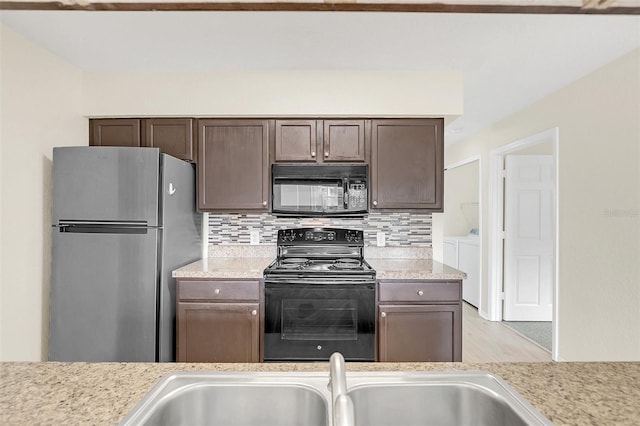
(401, 229)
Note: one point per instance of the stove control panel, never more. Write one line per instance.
(320, 236)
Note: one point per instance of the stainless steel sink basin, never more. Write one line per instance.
(234, 400)
(303, 399)
(457, 398)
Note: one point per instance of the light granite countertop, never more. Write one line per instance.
(225, 267)
(414, 269)
(103, 393)
(250, 261)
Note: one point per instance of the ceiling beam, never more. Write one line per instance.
(609, 7)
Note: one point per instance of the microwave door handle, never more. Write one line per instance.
(345, 193)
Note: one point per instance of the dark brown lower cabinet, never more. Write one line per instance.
(419, 321)
(218, 321)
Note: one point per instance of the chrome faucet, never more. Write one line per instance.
(343, 414)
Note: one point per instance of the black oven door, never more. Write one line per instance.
(309, 322)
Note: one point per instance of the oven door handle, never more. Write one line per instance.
(288, 283)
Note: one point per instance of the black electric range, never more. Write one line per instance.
(319, 297)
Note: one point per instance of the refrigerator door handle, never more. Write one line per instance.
(105, 227)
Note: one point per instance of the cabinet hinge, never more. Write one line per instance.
(503, 234)
(502, 295)
(503, 173)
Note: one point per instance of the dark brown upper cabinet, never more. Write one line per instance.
(407, 164)
(174, 136)
(343, 141)
(114, 132)
(233, 165)
(296, 140)
(317, 141)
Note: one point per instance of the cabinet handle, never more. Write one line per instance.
(264, 203)
(216, 291)
(313, 154)
(375, 203)
(420, 293)
(254, 312)
(326, 154)
(383, 314)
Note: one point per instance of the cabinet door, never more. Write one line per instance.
(174, 136)
(233, 165)
(296, 140)
(343, 140)
(218, 332)
(407, 164)
(114, 132)
(419, 333)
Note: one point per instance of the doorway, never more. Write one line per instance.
(461, 225)
(507, 259)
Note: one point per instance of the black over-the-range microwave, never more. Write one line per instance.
(320, 189)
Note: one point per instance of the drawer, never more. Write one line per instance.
(218, 290)
(419, 291)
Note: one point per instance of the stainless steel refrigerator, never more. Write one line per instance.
(123, 219)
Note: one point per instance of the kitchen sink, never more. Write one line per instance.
(240, 399)
(304, 398)
(456, 398)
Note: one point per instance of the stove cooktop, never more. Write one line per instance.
(320, 255)
(304, 265)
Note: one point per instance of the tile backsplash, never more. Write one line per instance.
(401, 229)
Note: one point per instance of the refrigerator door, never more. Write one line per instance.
(106, 184)
(103, 294)
(181, 242)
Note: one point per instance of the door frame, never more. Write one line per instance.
(457, 164)
(496, 221)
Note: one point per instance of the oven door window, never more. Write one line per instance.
(310, 322)
(319, 319)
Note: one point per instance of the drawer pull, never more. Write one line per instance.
(383, 314)
(313, 154)
(420, 293)
(375, 203)
(216, 291)
(254, 312)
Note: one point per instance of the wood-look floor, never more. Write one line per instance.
(492, 341)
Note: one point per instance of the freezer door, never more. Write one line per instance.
(103, 296)
(106, 184)
(181, 242)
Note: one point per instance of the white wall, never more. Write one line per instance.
(40, 109)
(599, 199)
(273, 93)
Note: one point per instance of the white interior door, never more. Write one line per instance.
(529, 238)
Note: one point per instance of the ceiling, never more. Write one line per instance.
(508, 61)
